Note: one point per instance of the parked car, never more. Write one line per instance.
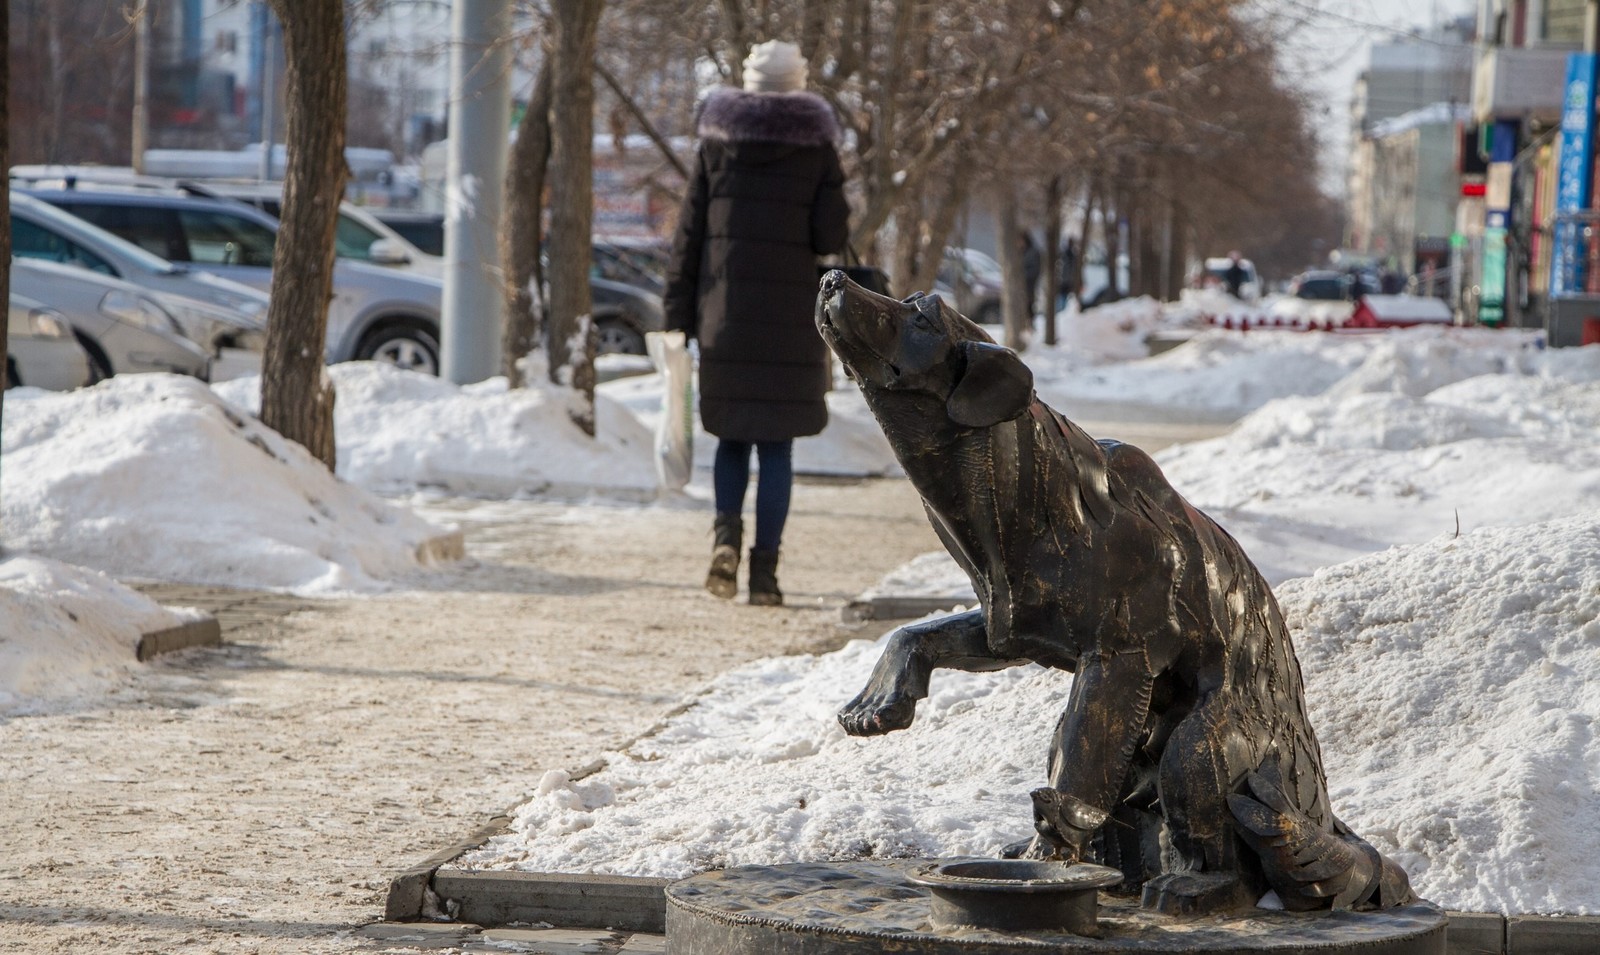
(639, 265)
(41, 351)
(1321, 285)
(425, 230)
(376, 313)
(622, 316)
(215, 313)
(973, 279)
(121, 326)
(359, 235)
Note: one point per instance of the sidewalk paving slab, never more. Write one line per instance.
(420, 935)
(548, 941)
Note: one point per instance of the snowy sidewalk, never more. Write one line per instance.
(259, 797)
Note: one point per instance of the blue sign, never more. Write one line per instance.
(1574, 171)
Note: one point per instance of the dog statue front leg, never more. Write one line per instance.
(889, 700)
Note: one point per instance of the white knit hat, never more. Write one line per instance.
(774, 67)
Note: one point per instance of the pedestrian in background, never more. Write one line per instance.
(1234, 276)
(765, 200)
(1031, 264)
(1067, 273)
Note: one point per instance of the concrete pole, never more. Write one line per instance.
(269, 94)
(480, 121)
(141, 86)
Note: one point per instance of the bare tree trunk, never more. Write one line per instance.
(1091, 199)
(570, 338)
(1112, 209)
(735, 39)
(522, 240)
(936, 232)
(296, 394)
(1014, 278)
(1050, 257)
(5, 201)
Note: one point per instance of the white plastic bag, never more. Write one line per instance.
(675, 429)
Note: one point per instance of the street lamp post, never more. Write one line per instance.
(480, 113)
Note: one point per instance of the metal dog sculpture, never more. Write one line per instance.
(1184, 757)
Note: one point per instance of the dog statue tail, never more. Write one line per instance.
(1309, 865)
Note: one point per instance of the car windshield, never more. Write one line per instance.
(71, 227)
(352, 240)
(983, 266)
(217, 238)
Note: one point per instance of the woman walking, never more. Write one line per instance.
(765, 200)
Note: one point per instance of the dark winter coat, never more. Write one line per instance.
(766, 199)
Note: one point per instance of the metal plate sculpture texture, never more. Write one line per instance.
(847, 908)
(1184, 757)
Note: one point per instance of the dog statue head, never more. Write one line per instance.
(921, 347)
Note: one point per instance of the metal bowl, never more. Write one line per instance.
(1009, 895)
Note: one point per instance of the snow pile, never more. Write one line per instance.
(398, 431)
(69, 632)
(156, 476)
(1454, 686)
(1111, 332)
(758, 771)
(1305, 483)
(1218, 373)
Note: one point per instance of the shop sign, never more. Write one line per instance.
(1492, 290)
(1573, 173)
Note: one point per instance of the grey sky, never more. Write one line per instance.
(1328, 47)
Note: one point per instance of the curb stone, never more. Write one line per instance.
(1545, 935)
(409, 891)
(204, 632)
(442, 548)
(898, 608)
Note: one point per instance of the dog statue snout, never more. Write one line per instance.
(833, 281)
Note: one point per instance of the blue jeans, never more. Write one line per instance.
(730, 477)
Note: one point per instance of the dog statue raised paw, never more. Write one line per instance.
(1184, 757)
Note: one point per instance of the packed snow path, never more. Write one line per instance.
(259, 797)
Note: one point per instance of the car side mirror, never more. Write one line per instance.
(387, 252)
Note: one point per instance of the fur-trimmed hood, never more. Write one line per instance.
(795, 119)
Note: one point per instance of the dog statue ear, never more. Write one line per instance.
(996, 386)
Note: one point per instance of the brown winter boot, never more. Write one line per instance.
(723, 578)
(764, 590)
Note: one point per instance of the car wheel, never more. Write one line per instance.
(12, 378)
(409, 345)
(617, 337)
(99, 364)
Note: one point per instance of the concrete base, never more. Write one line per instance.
(849, 907)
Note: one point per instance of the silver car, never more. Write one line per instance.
(123, 327)
(41, 351)
(376, 313)
(217, 314)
